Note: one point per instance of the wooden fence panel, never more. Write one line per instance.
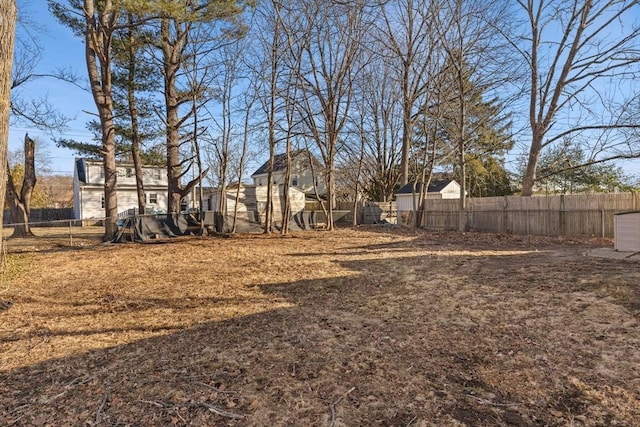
(377, 212)
(580, 215)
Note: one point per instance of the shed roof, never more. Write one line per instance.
(435, 186)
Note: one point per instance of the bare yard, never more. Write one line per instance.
(352, 328)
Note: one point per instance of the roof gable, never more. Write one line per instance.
(279, 162)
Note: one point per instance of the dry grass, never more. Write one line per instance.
(357, 327)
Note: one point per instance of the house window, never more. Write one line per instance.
(156, 173)
(294, 180)
(153, 198)
(129, 172)
(102, 200)
(101, 171)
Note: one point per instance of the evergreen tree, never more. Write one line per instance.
(487, 137)
(567, 169)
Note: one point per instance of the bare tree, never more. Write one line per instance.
(226, 83)
(20, 201)
(292, 79)
(409, 34)
(271, 40)
(249, 101)
(173, 38)
(379, 128)
(35, 110)
(330, 41)
(473, 57)
(175, 30)
(581, 56)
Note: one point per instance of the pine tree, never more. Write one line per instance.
(487, 137)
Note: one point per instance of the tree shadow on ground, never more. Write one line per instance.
(421, 340)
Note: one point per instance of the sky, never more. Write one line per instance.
(61, 49)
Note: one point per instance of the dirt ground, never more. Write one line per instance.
(365, 327)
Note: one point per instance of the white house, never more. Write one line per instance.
(254, 198)
(408, 199)
(302, 175)
(88, 188)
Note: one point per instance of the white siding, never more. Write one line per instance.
(406, 202)
(451, 191)
(627, 232)
(88, 195)
(255, 198)
(301, 170)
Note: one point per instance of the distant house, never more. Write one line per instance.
(407, 197)
(253, 198)
(88, 188)
(302, 176)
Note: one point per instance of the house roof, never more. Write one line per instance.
(82, 162)
(435, 186)
(279, 162)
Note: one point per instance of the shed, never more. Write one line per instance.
(626, 231)
(438, 189)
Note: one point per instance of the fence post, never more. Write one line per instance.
(505, 215)
(70, 233)
(602, 222)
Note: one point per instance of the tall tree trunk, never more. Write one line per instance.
(196, 146)
(273, 79)
(172, 58)
(20, 204)
(407, 127)
(133, 115)
(356, 196)
(8, 16)
(268, 216)
(99, 26)
(462, 218)
(331, 190)
(285, 200)
(245, 140)
(535, 150)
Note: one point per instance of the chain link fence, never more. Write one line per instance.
(54, 234)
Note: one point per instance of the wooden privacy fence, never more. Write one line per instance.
(582, 215)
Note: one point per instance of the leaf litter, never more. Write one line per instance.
(367, 326)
